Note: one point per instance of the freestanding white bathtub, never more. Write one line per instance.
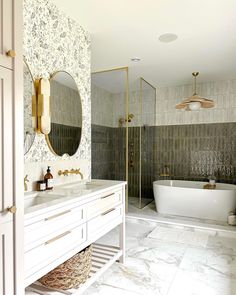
(188, 198)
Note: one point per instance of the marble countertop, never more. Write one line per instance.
(65, 194)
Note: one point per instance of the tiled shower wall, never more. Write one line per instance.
(191, 152)
(191, 149)
(222, 92)
(108, 152)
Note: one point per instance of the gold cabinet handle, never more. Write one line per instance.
(57, 215)
(11, 53)
(108, 211)
(58, 237)
(12, 209)
(107, 196)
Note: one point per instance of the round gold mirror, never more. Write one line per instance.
(66, 115)
(29, 117)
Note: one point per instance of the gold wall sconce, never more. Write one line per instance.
(43, 106)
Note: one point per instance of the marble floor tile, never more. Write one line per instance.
(180, 236)
(222, 243)
(102, 289)
(149, 212)
(139, 228)
(192, 283)
(159, 252)
(136, 231)
(210, 262)
(140, 276)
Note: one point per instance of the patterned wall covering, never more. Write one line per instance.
(29, 133)
(54, 42)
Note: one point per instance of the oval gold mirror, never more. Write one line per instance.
(66, 115)
(29, 108)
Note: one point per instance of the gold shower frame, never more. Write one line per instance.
(126, 69)
(142, 80)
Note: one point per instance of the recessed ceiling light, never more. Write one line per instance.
(135, 59)
(167, 38)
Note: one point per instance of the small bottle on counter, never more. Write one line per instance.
(49, 179)
(41, 185)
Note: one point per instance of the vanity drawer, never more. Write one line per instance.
(53, 248)
(53, 221)
(106, 201)
(104, 220)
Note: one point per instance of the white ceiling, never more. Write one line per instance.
(122, 29)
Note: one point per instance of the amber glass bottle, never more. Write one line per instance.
(49, 179)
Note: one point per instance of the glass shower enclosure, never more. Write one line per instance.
(109, 129)
(122, 133)
(141, 144)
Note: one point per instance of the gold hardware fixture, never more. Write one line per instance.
(11, 53)
(107, 196)
(25, 182)
(209, 186)
(108, 211)
(166, 172)
(195, 102)
(72, 171)
(126, 97)
(43, 106)
(12, 209)
(57, 215)
(58, 237)
(130, 117)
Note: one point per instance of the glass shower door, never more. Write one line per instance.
(141, 142)
(109, 135)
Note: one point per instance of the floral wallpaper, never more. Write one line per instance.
(54, 42)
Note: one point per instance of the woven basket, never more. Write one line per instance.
(70, 274)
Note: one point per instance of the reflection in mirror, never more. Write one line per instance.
(29, 120)
(66, 115)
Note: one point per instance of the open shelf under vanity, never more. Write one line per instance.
(102, 258)
(54, 234)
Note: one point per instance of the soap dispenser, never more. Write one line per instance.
(49, 179)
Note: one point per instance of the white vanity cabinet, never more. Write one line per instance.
(6, 32)
(56, 233)
(6, 146)
(6, 259)
(11, 147)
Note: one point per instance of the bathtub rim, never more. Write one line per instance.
(166, 183)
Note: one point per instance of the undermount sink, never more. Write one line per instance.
(39, 200)
(77, 188)
(86, 185)
(59, 194)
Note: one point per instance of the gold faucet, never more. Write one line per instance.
(25, 182)
(72, 171)
(166, 171)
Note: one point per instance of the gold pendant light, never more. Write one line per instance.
(195, 102)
